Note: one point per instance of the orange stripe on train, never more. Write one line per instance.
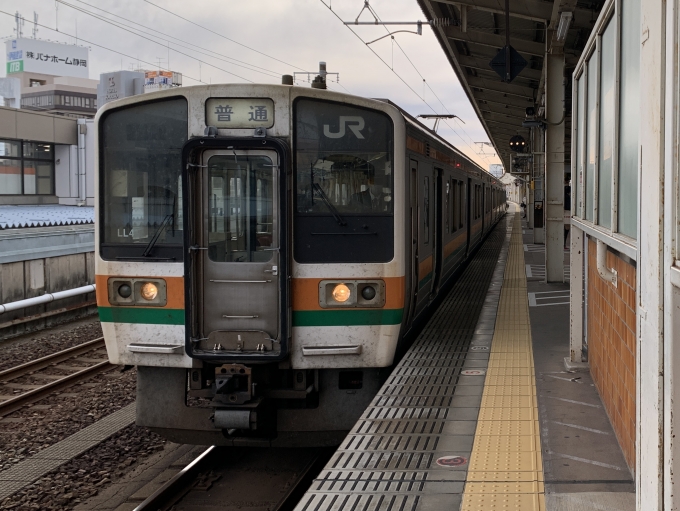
(175, 290)
(305, 292)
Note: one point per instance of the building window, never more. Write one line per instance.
(26, 168)
(606, 137)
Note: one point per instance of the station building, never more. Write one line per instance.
(46, 181)
(595, 97)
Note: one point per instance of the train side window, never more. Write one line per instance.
(476, 203)
(456, 209)
(461, 203)
(448, 205)
(426, 210)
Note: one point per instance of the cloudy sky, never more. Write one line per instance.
(258, 41)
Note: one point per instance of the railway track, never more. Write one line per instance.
(41, 367)
(228, 478)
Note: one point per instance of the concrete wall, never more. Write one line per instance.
(27, 279)
(612, 345)
(21, 124)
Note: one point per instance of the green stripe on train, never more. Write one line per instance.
(141, 315)
(348, 317)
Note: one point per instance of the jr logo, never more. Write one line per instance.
(357, 124)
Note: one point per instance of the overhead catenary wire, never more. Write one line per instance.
(156, 42)
(172, 39)
(153, 66)
(391, 69)
(222, 35)
(427, 84)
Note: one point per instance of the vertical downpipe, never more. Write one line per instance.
(82, 185)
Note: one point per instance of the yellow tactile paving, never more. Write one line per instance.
(503, 502)
(505, 487)
(499, 461)
(507, 427)
(508, 380)
(505, 476)
(508, 401)
(500, 443)
(509, 390)
(513, 371)
(506, 467)
(506, 414)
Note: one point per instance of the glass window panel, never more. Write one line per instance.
(461, 203)
(140, 154)
(29, 177)
(577, 179)
(629, 116)
(241, 205)
(448, 207)
(344, 161)
(606, 145)
(38, 150)
(10, 177)
(591, 144)
(44, 172)
(426, 209)
(10, 148)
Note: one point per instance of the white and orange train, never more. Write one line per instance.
(265, 252)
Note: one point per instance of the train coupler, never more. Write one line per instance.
(233, 384)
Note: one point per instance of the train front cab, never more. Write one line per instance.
(246, 331)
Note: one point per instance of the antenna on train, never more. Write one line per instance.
(319, 81)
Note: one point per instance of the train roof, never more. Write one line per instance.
(432, 134)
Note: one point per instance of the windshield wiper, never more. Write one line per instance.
(157, 235)
(331, 208)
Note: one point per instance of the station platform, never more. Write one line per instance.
(481, 414)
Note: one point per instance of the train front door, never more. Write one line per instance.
(240, 259)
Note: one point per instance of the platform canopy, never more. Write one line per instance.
(476, 33)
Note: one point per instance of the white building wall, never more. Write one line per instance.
(66, 173)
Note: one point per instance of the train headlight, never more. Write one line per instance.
(351, 293)
(124, 290)
(368, 293)
(148, 291)
(341, 293)
(128, 292)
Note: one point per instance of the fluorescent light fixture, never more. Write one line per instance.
(563, 27)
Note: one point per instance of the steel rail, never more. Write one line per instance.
(290, 499)
(175, 488)
(48, 360)
(172, 488)
(11, 405)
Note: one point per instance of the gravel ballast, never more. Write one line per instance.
(44, 423)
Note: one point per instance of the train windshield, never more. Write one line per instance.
(343, 160)
(140, 185)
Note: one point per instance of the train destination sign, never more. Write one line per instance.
(239, 112)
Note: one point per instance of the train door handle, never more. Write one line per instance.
(274, 271)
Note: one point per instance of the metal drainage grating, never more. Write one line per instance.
(425, 412)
